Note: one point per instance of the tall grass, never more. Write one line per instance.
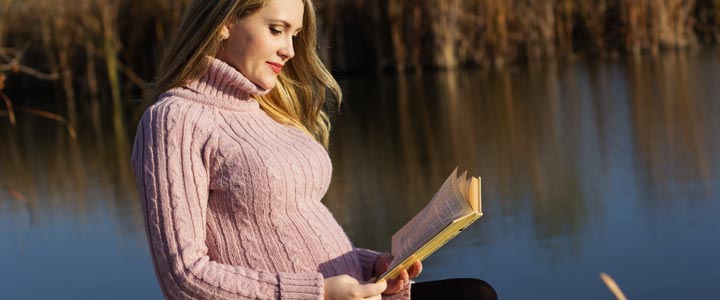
(449, 33)
(100, 51)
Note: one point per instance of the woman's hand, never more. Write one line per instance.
(344, 287)
(396, 284)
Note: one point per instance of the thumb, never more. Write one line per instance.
(372, 289)
(382, 285)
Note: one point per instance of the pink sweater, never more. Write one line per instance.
(231, 198)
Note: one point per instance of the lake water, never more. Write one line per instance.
(586, 167)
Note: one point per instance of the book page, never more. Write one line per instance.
(447, 204)
(474, 194)
(463, 185)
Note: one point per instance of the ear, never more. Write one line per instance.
(224, 32)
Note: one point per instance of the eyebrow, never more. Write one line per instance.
(285, 24)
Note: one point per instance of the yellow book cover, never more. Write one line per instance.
(455, 206)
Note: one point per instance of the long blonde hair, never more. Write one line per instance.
(300, 94)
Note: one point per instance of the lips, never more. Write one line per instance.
(275, 67)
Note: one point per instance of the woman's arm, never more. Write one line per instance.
(170, 161)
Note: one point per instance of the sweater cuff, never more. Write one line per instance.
(403, 294)
(368, 258)
(301, 286)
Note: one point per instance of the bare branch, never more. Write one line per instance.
(12, 58)
(10, 111)
(51, 116)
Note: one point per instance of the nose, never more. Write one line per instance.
(287, 51)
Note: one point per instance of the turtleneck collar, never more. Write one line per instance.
(223, 86)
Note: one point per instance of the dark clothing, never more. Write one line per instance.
(456, 288)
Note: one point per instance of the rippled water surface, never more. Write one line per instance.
(586, 168)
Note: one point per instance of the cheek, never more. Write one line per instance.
(242, 59)
(240, 47)
(255, 51)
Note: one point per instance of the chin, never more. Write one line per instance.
(263, 81)
(264, 84)
(268, 84)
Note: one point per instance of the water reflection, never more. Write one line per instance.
(671, 127)
(577, 156)
(498, 125)
(586, 167)
(48, 175)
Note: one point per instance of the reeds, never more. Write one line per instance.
(613, 286)
(102, 50)
(495, 32)
(10, 62)
(93, 48)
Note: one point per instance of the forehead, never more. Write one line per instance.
(290, 11)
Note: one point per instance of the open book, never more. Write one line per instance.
(454, 207)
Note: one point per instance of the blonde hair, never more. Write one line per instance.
(300, 94)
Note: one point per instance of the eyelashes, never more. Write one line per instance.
(276, 31)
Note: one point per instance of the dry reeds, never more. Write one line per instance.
(707, 20)
(10, 62)
(101, 50)
(484, 32)
(613, 286)
(85, 45)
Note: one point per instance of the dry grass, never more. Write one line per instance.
(90, 50)
(10, 61)
(484, 32)
(613, 286)
(97, 52)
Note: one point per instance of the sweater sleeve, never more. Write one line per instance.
(367, 261)
(170, 160)
(368, 258)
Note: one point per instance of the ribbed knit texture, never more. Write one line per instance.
(231, 198)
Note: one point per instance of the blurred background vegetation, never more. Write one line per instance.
(92, 56)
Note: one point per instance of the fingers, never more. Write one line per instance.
(372, 289)
(397, 284)
(404, 276)
(381, 285)
(382, 264)
(415, 269)
(346, 287)
(400, 280)
(381, 267)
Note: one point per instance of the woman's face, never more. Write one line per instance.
(260, 44)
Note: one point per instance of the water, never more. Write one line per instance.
(586, 168)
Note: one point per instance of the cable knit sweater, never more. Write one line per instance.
(231, 198)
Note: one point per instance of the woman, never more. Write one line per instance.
(231, 166)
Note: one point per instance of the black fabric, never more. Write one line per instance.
(456, 288)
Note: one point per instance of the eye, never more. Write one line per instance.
(275, 31)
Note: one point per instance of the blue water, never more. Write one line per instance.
(586, 168)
